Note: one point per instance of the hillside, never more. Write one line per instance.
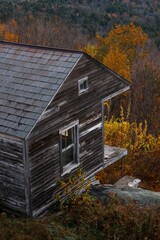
(91, 16)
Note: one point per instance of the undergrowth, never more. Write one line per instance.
(133, 136)
(87, 222)
(145, 166)
(143, 160)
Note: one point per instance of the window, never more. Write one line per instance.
(83, 85)
(69, 148)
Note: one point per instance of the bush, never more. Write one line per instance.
(133, 136)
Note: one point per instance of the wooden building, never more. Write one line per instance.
(51, 121)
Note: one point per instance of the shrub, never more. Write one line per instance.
(75, 190)
(133, 136)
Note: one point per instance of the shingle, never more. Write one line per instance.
(18, 118)
(8, 123)
(11, 110)
(46, 56)
(67, 70)
(21, 134)
(63, 58)
(28, 101)
(28, 108)
(46, 98)
(4, 115)
(12, 104)
(76, 55)
(70, 59)
(28, 128)
(3, 122)
(61, 69)
(22, 127)
(51, 62)
(51, 74)
(37, 103)
(29, 79)
(22, 120)
(45, 91)
(60, 80)
(20, 99)
(12, 117)
(29, 122)
(38, 110)
(11, 131)
(42, 61)
(3, 128)
(37, 96)
(61, 75)
(68, 54)
(31, 115)
(58, 53)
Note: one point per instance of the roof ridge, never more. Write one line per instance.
(41, 47)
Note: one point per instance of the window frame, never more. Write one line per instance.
(75, 163)
(82, 81)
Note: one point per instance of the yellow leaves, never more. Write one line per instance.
(75, 189)
(118, 62)
(91, 50)
(10, 37)
(127, 36)
(133, 136)
(2, 30)
(8, 32)
(123, 45)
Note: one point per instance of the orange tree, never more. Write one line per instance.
(123, 45)
(8, 31)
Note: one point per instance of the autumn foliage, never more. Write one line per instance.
(143, 160)
(132, 136)
(8, 31)
(123, 45)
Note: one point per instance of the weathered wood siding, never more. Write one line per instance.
(68, 106)
(12, 183)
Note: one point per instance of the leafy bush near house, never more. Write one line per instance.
(75, 190)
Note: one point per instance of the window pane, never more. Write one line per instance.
(67, 156)
(81, 86)
(69, 137)
(85, 84)
(63, 141)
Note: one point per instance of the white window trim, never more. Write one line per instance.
(69, 167)
(65, 128)
(81, 91)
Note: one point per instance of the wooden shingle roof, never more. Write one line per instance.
(30, 76)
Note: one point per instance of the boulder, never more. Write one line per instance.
(125, 193)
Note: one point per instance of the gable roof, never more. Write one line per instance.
(30, 76)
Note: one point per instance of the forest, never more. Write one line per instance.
(124, 36)
(88, 16)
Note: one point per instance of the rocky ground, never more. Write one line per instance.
(125, 193)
